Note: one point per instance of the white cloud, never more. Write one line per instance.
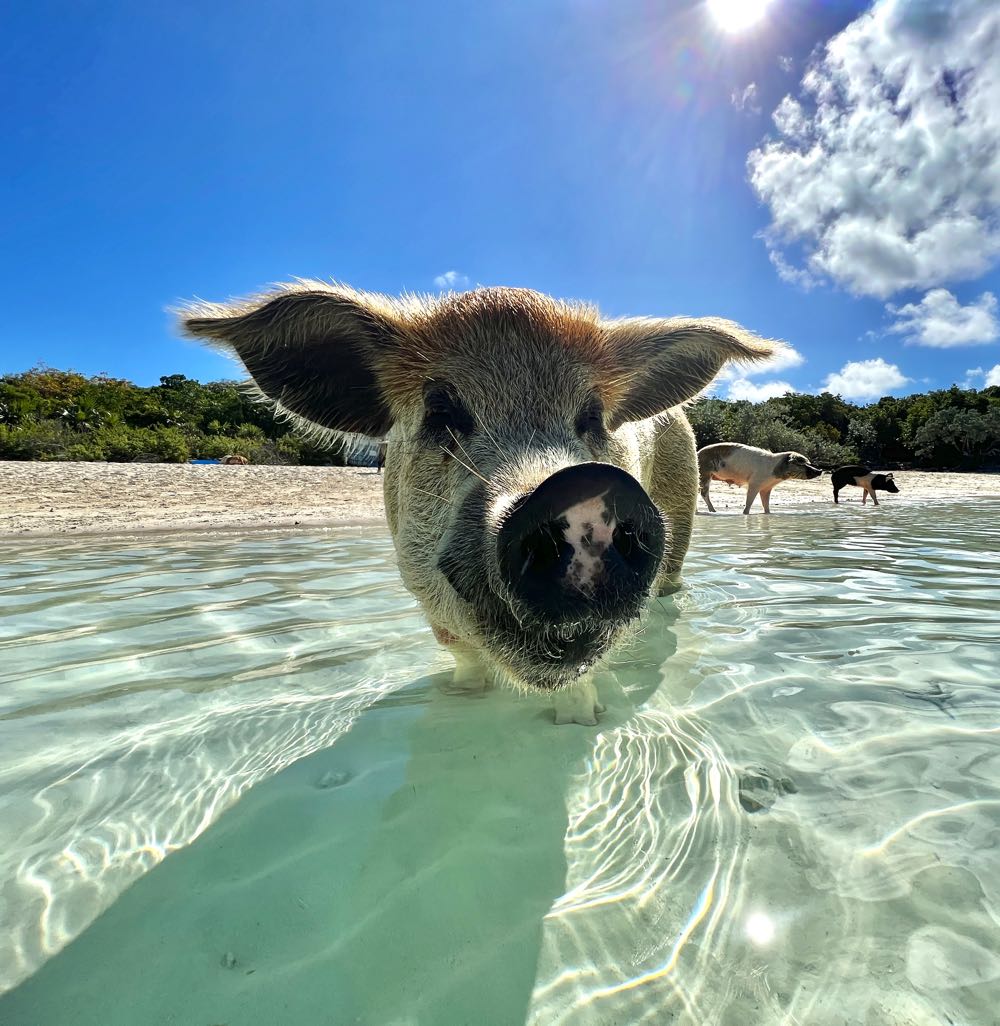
(786, 272)
(790, 119)
(452, 280)
(885, 174)
(786, 63)
(940, 321)
(748, 100)
(742, 388)
(978, 378)
(786, 357)
(865, 379)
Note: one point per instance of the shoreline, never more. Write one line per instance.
(60, 500)
(219, 528)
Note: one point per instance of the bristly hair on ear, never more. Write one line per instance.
(669, 362)
(312, 351)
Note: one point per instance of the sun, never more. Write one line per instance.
(737, 15)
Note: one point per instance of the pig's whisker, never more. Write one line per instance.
(465, 453)
(638, 540)
(645, 548)
(500, 452)
(433, 495)
(476, 473)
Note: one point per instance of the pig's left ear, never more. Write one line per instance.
(663, 363)
(312, 350)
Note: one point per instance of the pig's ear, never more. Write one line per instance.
(312, 351)
(663, 363)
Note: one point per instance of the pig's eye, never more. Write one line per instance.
(591, 420)
(445, 415)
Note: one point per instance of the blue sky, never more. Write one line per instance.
(634, 154)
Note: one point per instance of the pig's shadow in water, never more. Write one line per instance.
(401, 875)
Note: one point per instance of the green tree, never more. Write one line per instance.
(962, 438)
(49, 414)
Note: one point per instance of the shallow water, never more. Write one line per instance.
(790, 812)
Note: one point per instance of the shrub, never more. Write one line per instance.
(168, 443)
(46, 440)
(211, 447)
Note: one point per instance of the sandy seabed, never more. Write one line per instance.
(121, 498)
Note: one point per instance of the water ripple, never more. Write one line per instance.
(202, 667)
(859, 664)
(789, 815)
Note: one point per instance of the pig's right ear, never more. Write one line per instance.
(312, 352)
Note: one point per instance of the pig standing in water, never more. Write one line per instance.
(759, 469)
(540, 477)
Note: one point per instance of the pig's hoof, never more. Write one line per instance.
(670, 585)
(468, 683)
(470, 676)
(578, 704)
(333, 778)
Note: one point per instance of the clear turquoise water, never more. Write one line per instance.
(235, 789)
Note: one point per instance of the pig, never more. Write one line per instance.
(540, 477)
(863, 478)
(758, 469)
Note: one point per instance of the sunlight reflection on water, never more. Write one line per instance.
(174, 676)
(789, 814)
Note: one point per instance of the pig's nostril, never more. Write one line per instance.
(630, 543)
(543, 549)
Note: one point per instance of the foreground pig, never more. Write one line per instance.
(540, 477)
(863, 478)
(758, 469)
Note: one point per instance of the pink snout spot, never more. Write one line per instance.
(589, 531)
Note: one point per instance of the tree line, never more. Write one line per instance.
(948, 429)
(48, 414)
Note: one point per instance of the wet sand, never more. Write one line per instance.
(122, 498)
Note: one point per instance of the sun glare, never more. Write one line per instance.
(760, 929)
(737, 15)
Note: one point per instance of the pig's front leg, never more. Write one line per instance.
(578, 703)
(471, 674)
(668, 584)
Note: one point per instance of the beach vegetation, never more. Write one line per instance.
(948, 429)
(49, 414)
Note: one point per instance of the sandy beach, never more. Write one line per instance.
(121, 498)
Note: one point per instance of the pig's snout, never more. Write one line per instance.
(588, 540)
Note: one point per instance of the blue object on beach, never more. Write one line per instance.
(204, 461)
